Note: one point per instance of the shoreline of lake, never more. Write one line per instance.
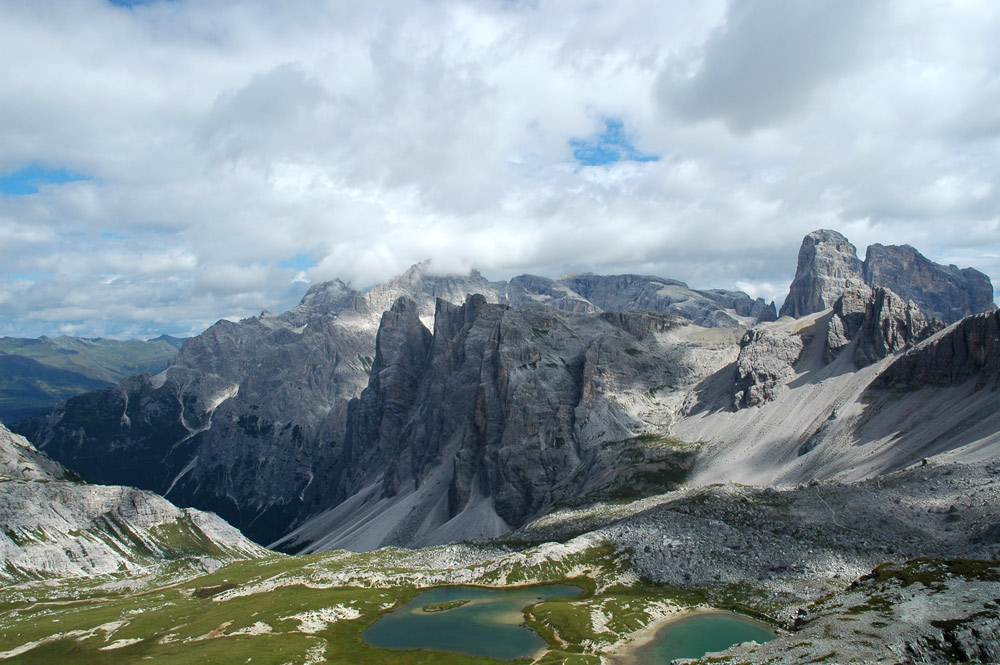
(630, 652)
(625, 652)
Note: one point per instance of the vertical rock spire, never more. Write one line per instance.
(828, 264)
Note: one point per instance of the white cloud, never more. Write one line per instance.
(223, 139)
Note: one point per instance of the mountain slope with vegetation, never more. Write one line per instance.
(35, 374)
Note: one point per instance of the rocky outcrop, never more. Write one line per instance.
(970, 349)
(20, 460)
(828, 264)
(942, 292)
(766, 360)
(890, 325)
(875, 323)
(880, 323)
(849, 312)
(51, 526)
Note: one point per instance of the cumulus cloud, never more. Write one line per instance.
(229, 153)
(767, 59)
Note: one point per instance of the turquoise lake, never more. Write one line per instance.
(490, 624)
(698, 634)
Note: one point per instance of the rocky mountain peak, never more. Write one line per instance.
(326, 297)
(828, 264)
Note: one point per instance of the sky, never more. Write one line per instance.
(168, 163)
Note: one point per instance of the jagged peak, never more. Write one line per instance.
(320, 288)
(330, 296)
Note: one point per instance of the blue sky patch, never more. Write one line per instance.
(300, 262)
(613, 145)
(30, 178)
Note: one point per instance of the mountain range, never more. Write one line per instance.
(438, 408)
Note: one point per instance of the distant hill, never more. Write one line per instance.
(36, 374)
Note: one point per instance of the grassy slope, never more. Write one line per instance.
(106, 359)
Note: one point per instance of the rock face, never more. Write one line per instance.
(20, 460)
(942, 292)
(51, 526)
(849, 313)
(879, 321)
(501, 414)
(970, 349)
(828, 265)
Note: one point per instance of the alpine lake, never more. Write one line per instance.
(489, 623)
(699, 633)
(482, 621)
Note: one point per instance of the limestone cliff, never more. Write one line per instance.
(970, 349)
(942, 292)
(503, 413)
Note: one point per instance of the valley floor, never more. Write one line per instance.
(903, 568)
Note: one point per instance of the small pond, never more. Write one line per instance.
(489, 623)
(700, 633)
